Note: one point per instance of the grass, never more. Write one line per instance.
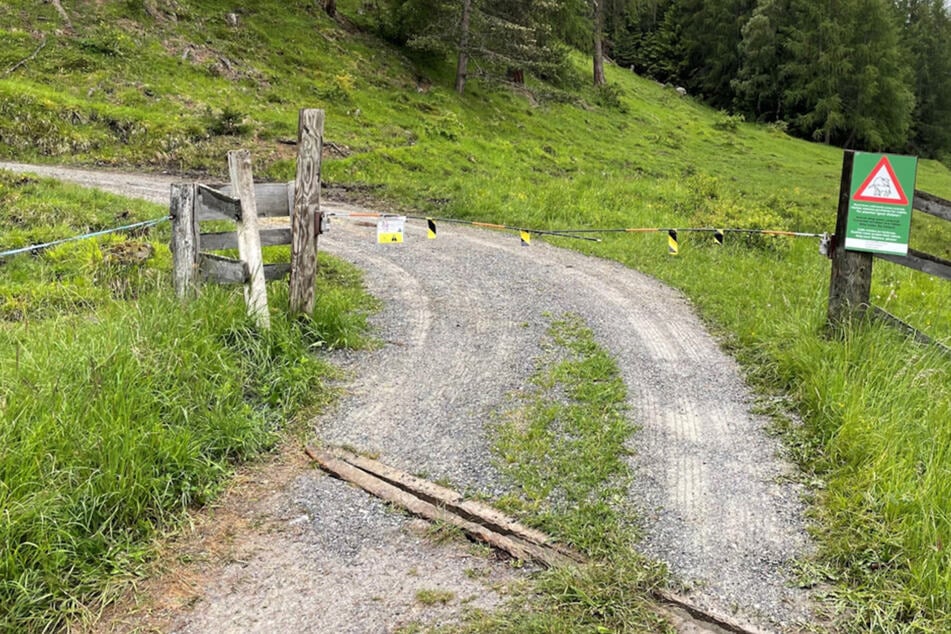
(428, 597)
(126, 88)
(562, 445)
(118, 415)
(78, 275)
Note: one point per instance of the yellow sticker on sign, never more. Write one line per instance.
(389, 230)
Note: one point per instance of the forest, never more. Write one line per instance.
(862, 74)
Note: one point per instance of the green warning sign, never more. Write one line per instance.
(883, 188)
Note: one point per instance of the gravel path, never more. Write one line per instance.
(463, 319)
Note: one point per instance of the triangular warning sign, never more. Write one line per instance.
(881, 186)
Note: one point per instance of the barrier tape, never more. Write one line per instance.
(525, 234)
(431, 222)
(46, 245)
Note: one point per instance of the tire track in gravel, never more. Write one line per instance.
(708, 478)
(463, 320)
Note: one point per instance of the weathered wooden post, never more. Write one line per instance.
(184, 237)
(249, 240)
(851, 280)
(305, 213)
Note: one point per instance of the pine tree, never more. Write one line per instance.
(927, 38)
(759, 84)
(710, 33)
(500, 35)
(847, 79)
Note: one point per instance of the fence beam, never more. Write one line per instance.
(932, 205)
(851, 280)
(249, 241)
(185, 237)
(306, 213)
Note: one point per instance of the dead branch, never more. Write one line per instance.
(24, 61)
(62, 13)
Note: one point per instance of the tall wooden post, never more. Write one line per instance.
(851, 280)
(185, 234)
(305, 214)
(249, 240)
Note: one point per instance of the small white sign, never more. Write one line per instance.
(389, 229)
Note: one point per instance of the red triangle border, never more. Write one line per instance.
(903, 200)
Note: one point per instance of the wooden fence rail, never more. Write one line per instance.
(850, 285)
(242, 201)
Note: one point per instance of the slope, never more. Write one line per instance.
(173, 86)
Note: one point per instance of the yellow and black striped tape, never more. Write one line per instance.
(526, 238)
(673, 248)
(431, 229)
(718, 236)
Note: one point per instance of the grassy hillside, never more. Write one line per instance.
(175, 86)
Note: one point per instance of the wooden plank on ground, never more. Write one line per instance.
(229, 239)
(706, 615)
(518, 548)
(467, 509)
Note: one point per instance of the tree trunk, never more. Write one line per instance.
(598, 42)
(463, 64)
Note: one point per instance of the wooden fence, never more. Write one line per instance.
(244, 202)
(850, 286)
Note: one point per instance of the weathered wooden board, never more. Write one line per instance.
(518, 548)
(920, 261)
(453, 501)
(212, 204)
(185, 238)
(249, 240)
(306, 211)
(229, 239)
(271, 198)
(932, 205)
(224, 270)
(218, 268)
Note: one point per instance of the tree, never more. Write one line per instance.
(499, 34)
(462, 63)
(597, 35)
(709, 33)
(926, 35)
(759, 84)
(847, 79)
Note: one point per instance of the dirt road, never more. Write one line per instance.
(464, 316)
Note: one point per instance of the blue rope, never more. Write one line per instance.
(45, 245)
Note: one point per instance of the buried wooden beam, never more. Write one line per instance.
(515, 546)
(434, 502)
(453, 501)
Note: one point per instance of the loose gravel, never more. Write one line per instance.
(462, 325)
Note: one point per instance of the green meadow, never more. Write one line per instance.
(865, 412)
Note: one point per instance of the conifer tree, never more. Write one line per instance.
(927, 38)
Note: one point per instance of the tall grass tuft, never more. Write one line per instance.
(112, 423)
